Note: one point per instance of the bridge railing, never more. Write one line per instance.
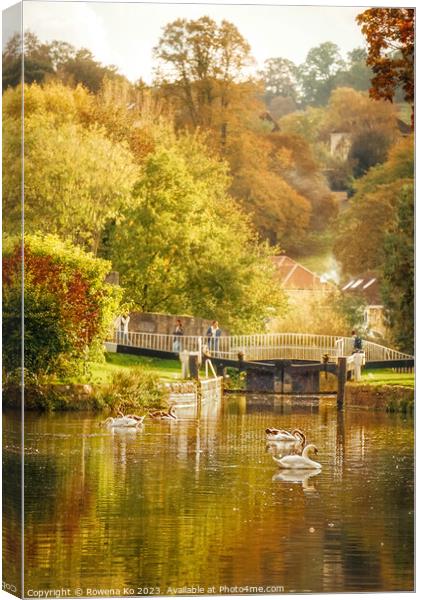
(298, 346)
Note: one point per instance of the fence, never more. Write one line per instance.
(297, 346)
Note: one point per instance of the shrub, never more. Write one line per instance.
(68, 307)
(135, 389)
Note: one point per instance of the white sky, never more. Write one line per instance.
(125, 33)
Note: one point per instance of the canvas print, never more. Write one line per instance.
(208, 299)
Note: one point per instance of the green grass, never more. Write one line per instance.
(387, 377)
(167, 369)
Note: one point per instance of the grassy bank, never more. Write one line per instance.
(166, 369)
(378, 377)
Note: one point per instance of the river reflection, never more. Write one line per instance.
(202, 501)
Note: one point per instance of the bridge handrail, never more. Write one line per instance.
(258, 346)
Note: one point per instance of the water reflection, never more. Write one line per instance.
(201, 501)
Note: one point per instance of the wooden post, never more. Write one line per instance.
(194, 365)
(342, 369)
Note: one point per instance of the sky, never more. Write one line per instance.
(124, 34)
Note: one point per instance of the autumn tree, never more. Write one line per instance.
(390, 36)
(280, 213)
(201, 65)
(372, 212)
(371, 127)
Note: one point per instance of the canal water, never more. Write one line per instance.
(201, 503)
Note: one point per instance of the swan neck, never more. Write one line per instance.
(306, 451)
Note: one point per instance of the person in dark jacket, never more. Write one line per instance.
(213, 334)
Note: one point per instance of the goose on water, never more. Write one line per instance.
(164, 415)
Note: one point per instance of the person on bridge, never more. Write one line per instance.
(178, 334)
(213, 334)
(358, 343)
(124, 326)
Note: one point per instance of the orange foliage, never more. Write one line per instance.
(390, 36)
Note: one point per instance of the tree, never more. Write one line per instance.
(398, 271)
(80, 67)
(390, 36)
(294, 160)
(356, 74)
(76, 179)
(187, 248)
(68, 309)
(52, 60)
(372, 212)
(37, 60)
(280, 78)
(371, 126)
(201, 66)
(360, 235)
(317, 73)
(280, 213)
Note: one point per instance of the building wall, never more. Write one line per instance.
(160, 323)
(374, 319)
(340, 145)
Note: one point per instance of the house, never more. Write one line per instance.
(367, 287)
(299, 282)
(340, 144)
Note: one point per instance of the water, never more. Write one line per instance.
(201, 503)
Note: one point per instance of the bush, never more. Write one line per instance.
(68, 306)
(235, 380)
(136, 389)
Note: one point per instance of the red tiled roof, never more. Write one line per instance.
(294, 276)
(366, 285)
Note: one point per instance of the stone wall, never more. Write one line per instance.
(392, 398)
(160, 323)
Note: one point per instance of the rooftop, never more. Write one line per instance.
(294, 276)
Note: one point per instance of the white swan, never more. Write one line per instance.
(132, 421)
(281, 435)
(294, 461)
(284, 448)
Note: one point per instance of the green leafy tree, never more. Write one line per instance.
(317, 74)
(186, 248)
(76, 179)
(52, 60)
(398, 271)
(280, 78)
(356, 74)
